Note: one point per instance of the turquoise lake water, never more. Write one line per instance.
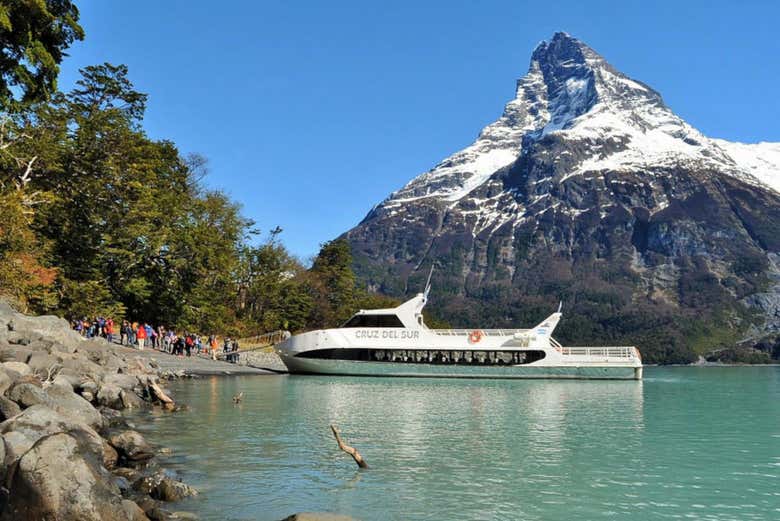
(685, 443)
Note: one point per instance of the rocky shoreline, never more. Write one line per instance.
(66, 451)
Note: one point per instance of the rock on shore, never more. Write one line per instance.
(65, 450)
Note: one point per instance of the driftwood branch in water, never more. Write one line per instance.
(161, 396)
(349, 450)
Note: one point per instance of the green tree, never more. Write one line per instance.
(34, 35)
(201, 265)
(272, 293)
(130, 226)
(334, 287)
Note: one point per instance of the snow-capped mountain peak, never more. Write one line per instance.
(616, 123)
(589, 188)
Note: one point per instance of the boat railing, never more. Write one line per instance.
(484, 332)
(612, 352)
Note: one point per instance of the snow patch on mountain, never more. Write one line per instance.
(616, 123)
(761, 160)
(471, 166)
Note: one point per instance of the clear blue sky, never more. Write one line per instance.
(312, 112)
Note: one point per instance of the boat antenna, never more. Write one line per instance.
(428, 283)
(560, 305)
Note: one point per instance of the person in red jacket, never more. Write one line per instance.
(140, 334)
(109, 327)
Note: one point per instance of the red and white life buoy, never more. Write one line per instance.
(475, 336)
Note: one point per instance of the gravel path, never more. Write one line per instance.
(193, 365)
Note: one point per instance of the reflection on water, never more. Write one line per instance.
(683, 443)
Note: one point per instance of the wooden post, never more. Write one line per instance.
(349, 450)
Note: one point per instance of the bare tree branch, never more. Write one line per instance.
(26, 176)
(349, 450)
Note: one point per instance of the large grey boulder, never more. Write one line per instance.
(22, 339)
(110, 456)
(131, 445)
(6, 312)
(15, 445)
(68, 403)
(64, 381)
(122, 380)
(130, 400)
(42, 363)
(110, 396)
(154, 509)
(73, 377)
(40, 345)
(83, 367)
(59, 398)
(87, 384)
(112, 418)
(18, 367)
(27, 394)
(5, 381)
(102, 354)
(59, 479)
(133, 512)
(169, 489)
(163, 487)
(59, 347)
(47, 326)
(23, 430)
(14, 354)
(8, 408)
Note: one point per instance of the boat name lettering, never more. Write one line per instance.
(402, 334)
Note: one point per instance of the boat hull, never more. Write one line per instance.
(592, 371)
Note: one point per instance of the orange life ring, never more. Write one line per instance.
(475, 336)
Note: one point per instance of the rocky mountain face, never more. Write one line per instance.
(590, 190)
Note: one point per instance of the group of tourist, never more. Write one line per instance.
(97, 327)
(142, 335)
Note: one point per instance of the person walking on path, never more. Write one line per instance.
(234, 356)
(124, 332)
(188, 342)
(141, 336)
(213, 344)
(109, 328)
(133, 329)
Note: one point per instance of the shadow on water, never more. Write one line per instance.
(469, 449)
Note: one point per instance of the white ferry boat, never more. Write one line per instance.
(396, 342)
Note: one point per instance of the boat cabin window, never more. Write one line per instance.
(374, 321)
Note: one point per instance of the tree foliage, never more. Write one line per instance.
(96, 218)
(34, 35)
(100, 219)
